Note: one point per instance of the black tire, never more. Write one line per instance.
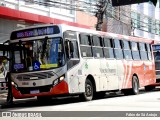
(135, 87)
(88, 94)
(149, 88)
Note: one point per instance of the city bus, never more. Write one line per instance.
(3, 67)
(58, 60)
(156, 53)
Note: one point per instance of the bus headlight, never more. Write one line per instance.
(55, 82)
(61, 78)
(14, 84)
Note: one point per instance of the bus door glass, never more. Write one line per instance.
(71, 55)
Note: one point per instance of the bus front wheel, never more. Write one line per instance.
(88, 94)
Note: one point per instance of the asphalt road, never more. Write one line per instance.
(144, 106)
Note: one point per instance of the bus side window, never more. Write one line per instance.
(108, 48)
(127, 50)
(85, 45)
(97, 46)
(143, 52)
(135, 51)
(118, 49)
(149, 51)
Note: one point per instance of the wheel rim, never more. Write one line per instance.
(88, 90)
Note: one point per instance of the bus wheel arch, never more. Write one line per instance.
(91, 78)
(90, 88)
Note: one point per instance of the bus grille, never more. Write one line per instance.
(28, 89)
(35, 76)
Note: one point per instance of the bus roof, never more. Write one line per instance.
(65, 27)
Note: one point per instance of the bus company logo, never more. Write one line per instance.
(6, 114)
(86, 66)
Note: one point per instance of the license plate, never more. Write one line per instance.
(34, 91)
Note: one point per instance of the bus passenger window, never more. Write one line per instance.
(85, 39)
(149, 51)
(135, 51)
(117, 49)
(126, 50)
(143, 52)
(108, 48)
(85, 45)
(97, 47)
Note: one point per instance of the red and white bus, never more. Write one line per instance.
(156, 53)
(49, 60)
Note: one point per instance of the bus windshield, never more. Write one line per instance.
(36, 55)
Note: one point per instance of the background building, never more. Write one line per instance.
(146, 20)
(118, 19)
(142, 20)
(21, 13)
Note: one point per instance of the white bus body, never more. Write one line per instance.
(83, 70)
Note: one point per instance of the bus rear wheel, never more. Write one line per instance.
(88, 94)
(135, 87)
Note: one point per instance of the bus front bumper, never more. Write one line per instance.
(61, 88)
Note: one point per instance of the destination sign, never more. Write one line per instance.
(156, 47)
(33, 32)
